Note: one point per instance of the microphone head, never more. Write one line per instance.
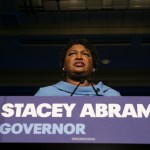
(82, 81)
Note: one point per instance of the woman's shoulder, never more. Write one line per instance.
(107, 90)
(51, 90)
(46, 90)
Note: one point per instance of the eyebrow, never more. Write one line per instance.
(84, 50)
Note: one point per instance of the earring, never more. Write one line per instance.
(93, 70)
(63, 69)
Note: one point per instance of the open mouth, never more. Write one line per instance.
(79, 64)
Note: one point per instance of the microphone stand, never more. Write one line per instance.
(95, 90)
(81, 82)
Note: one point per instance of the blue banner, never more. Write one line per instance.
(31, 119)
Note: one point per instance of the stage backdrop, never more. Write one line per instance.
(31, 119)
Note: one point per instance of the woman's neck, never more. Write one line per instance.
(84, 82)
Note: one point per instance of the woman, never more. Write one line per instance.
(78, 63)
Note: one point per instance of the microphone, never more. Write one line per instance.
(95, 90)
(81, 82)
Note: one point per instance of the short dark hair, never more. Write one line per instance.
(87, 44)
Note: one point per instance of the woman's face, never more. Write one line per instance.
(78, 61)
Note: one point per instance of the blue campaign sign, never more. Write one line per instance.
(31, 119)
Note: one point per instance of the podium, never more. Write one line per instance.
(74, 120)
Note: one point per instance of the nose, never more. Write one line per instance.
(78, 56)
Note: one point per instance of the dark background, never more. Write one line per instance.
(33, 33)
(67, 146)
